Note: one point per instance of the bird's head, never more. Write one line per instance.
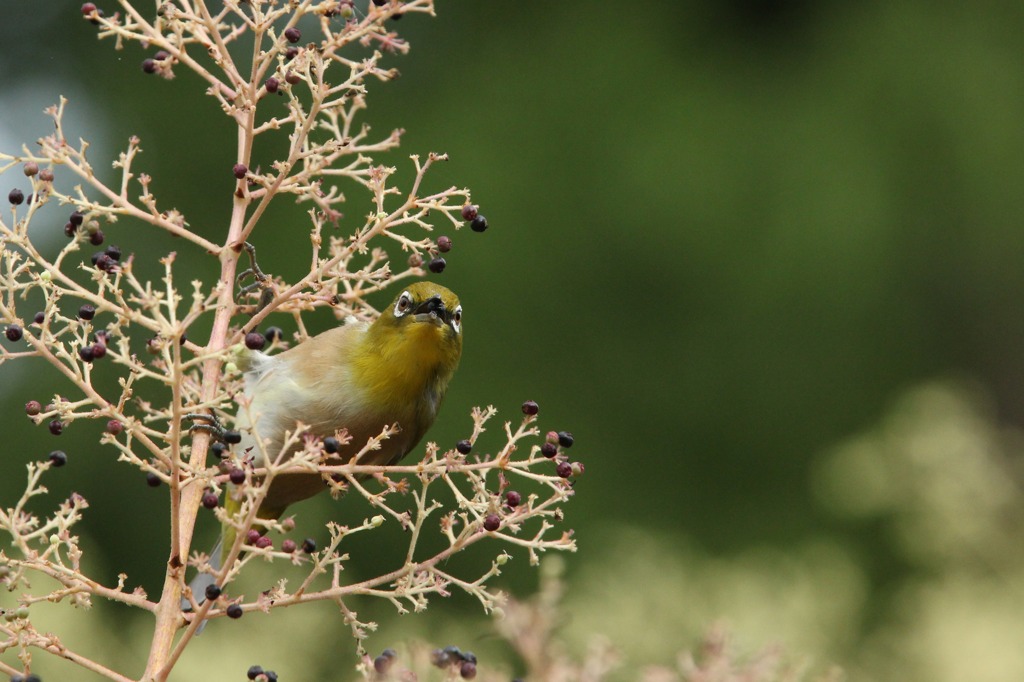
(422, 328)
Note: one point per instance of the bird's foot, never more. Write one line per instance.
(262, 282)
(209, 423)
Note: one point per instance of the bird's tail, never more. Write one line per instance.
(204, 580)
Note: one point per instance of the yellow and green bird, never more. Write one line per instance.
(359, 378)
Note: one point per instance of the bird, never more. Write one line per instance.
(359, 378)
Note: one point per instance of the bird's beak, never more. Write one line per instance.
(432, 310)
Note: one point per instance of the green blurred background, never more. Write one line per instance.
(726, 237)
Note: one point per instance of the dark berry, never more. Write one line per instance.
(210, 499)
(69, 232)
(58, 458)
(479, 224)
(86, 353)
(219, 450)
(149, 65)
(290, 53)
(161, 55)
(331, 445)
(273, 333)
(464, 447)
(16, 196)
(76, 218)
(13, 333)
(492, 522)
(152, 480)
(88, 8)
(46, 175)
(440, 658)
(105, 262)
(288, 546)
(565, 439)
(292, 35)
(32, 408)
(469, 211)
(292, 78)
(40, 317)
(469, 657)
(99, 350)
(513, 499)
(87, 312)
(254, 672)
(96, 238)
(212, 592)
(113, 251)
(309, 545)
(114, 427)
(237, 476)
(234, 611)
(380, 3)
(564, 469)
(240, 170)
(264, 542)
(272, 84)
(444, 244)
(255, 341)
(382, 664)
(468, 670)
(549, 450)
(437, 265)
(530, 408)
(270, 675)
(56, 427)
(30, 169)
(232, 437)
(252, 536)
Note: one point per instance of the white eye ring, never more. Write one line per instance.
(457, 318)
(403, 304)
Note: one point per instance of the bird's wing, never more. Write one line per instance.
(309, 382)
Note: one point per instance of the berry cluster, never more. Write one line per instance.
(477, 223)
(159, 62)
(493, 520)
(551, 445)
(452, 659)
(382, 664)
(258, 340)
(258, 674)
(107, 260)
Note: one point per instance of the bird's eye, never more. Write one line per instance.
(457, 318)
(403, 304)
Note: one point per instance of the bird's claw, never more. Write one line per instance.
(262, 282)
(209, 423)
